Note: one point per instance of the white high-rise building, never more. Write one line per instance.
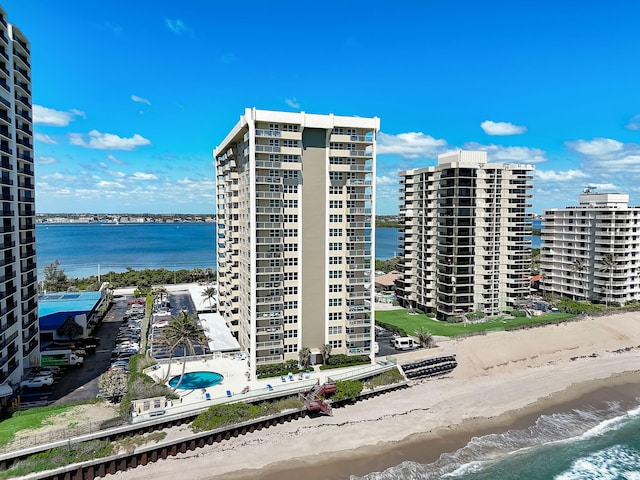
(592, 251)
(465, 235)
(18, 283)
(295, 203)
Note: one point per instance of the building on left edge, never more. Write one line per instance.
(19, 335)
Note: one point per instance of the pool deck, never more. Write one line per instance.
(234, 370)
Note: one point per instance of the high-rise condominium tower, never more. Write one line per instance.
(295, 216)
(18, 292)
(465, 235)
(592, 251)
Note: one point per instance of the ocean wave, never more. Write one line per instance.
(609, 464)
(482, 452)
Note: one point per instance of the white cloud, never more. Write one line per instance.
(115, 159)
(108, 141)
(634, 123)
(143, 176)
(558, 176)
(501, 154)
(177, 26)
(292, 102)
(46, 160)
(42, 138)
(138, 99)
(410, 145)
(106, 184)
(387, 180)
(502, 128)
(55, 118)
(596, 147)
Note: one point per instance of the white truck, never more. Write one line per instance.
(60, 358)
(405, 343)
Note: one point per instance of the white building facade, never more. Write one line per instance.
(18, 282)
(465, 235)
(592, 251)
(295, 203)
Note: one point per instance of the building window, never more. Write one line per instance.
(337, 330)
(335, 218)
(290, 348)
(290, 143)
(335, 302)
(290, 290)
(290, 174)
(335, 204)
(290, 276)
(335, 316)
(291, 262)
(290, 188)
(290, 233)
(335, 273)
(291, 333)
(335, 190)
(335, 288)
(335, 343)
(287, 127)
(335, 260)
(290, 247)
(290, 203)
(335, 246)
(335, 176)
(290, 305)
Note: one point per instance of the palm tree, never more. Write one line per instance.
(424, 337)
(197, 274)
(160, 291)
(325, 350)
(609, 262)
(208, 273)
(579, 267)
(210, 293)
(183, 332)
(543, 279)
(304, 356)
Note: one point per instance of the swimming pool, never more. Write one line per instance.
(194, 380)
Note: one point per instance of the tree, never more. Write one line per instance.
(161, 292)
(209, 273)
(609, 262)
(197, 274)
(113, 384)
(579, 267)
(69, 328)
(304, 356)
(182, 332)
(55, 279)
(325, 350)
(543, 279)
(210, 293)
(425, 338)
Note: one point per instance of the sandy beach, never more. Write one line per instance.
(504, 380)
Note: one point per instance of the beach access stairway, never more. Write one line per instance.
(430, 367)
(314, 400)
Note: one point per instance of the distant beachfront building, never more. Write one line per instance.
(295, 203)
(465, 235)
(18, 283)
(592, 251)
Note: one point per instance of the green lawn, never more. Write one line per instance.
(31, 419)
(411, 323)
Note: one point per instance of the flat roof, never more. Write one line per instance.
(51, 303)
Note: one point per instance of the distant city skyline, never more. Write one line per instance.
(130, 100)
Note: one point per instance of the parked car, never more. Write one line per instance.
(36, 382)
(51, 369)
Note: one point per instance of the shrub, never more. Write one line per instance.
(278, 369)
(347, 390)
(387, 378)
(518, 313)
(232, 413)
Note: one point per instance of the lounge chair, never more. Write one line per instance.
(228, 393)
(269, 387)
(207, 396)
(283, 379)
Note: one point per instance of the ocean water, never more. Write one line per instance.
(588, 444)
(83, 249)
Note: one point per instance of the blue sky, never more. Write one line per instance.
(131, 97)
